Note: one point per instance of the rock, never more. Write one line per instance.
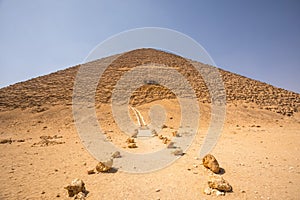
(165, 140)
(76, 186)
(176, 134)
(80, 196)
(177, 152)
(207, 191)
(130, 140)
(164, 126)
(135, 133)
(104, 166)
(154, 133)
(217, 182)
(219, 193)
(91, 171)
(210, 162)
(132, 145)
(171, 145)
(116, 154)
(4, 141)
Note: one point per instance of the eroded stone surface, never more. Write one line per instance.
(217, 182)
(210, 162)
(104, 166)
(77, 186)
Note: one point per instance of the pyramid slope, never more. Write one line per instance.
(57, 88)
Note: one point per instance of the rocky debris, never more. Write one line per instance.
(210, 162)
(207, 191)
(39, 109)
(80, 196)
(176, 134)
(77, 189)
(171, 145)
(9, 141)
(48, 137)
(217, 182)
(91, 171)
(177, 152)
(135, 133)
(48, 141)
(154, 133)
(116, 154)
(219, 193)
(132, 145)
(210, 191)
(5, 141)
(130, 140)
(19, 140)
(164, 126)
(104, 166)
(164, 139)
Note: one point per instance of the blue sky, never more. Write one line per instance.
(257, 39)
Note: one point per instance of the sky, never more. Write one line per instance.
(257, 39)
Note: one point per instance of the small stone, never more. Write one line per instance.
(177, 152)
(165, 140)
(219, 193)
(157, 190)
(4, 141)
(80, 196)
(76, 186)
(171, 145)
(164, 126)
(210, 162)
(207, 191)
(217, 182)
(104, 166)
(130, 140)
(176, 134)
(132, 145)
(135, 133)
(116, 154)
(43, 192)
(154, 133)
(91, 171)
